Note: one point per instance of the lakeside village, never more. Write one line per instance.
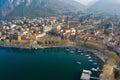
(66, 31)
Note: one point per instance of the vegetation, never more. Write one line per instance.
(80, 42)
(53, 41)
(22, 43)
(90, 45)
(117, 74)
(94, 46)
(113, 59)
(108, 72)
(41, 8)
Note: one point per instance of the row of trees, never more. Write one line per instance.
(22, 43)
(90, 44)
(53, 41)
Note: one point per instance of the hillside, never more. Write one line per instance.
(111, 7)
(36, 8)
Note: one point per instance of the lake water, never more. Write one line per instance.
(45, 64)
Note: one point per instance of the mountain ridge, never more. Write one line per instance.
(20, 8)
(108, 7)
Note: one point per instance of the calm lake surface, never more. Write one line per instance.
(45, 64)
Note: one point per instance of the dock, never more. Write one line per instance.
(96, 78)
(86, 75)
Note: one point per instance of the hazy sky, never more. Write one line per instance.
(86, 2)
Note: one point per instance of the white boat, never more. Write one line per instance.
(79, 51)
(71, 51)
(67, 49)
(98, 68)
(94, 63)
(89, 57)
(87, 71)
(93, 69)
(90, 60)
(35, 48)
(78, 62)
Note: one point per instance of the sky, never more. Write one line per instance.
(86, 2)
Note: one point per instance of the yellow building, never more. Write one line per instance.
(19, 38)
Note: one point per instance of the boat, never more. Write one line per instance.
(89, 57)
(94, 63)
(87, 71)
(90, 60)
(67, 49)
(71, 51)
(79, 51)
(93, 69)
(78, 62)
(98, 68)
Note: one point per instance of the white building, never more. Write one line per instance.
(12, 26)
(47, 28)
(0, 34)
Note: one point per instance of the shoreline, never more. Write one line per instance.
(92, 51)
(40, 47)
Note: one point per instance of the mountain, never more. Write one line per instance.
(35, 8)
(74, 3)
(86, 2)
(111, 7)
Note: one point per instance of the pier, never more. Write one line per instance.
(96, 78)
(86, 75)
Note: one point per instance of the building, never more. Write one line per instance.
(13, 37)
(19, 37)
(68, 22)
(46, 28)
(40, 35)
(0, 34)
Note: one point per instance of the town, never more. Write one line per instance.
(45, 31)
(63, 31)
